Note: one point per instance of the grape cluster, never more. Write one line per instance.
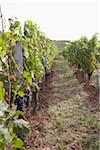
(22, 102)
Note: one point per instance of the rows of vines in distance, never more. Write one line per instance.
(84, 54)
(20, 86)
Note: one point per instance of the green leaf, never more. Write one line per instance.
(2, 52)
(26, 74)
(29, 22)
(18, 143)
(22, 124)
(7, 34)
(20, 93)
(17, 23)
(17, 113)
(29, 79)
(1, 91)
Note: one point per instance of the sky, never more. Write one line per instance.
(58, 19)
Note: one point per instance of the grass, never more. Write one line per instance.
(82, 119)
(71, 121)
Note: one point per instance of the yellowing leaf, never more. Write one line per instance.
(20, 93)
(1, 91)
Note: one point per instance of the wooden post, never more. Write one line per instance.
(18, 56)
(1, 17)
(98, 83)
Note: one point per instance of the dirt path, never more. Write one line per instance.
(66, 120)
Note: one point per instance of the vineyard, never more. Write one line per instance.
(84, 54)
(48, 97)
(25, 61)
